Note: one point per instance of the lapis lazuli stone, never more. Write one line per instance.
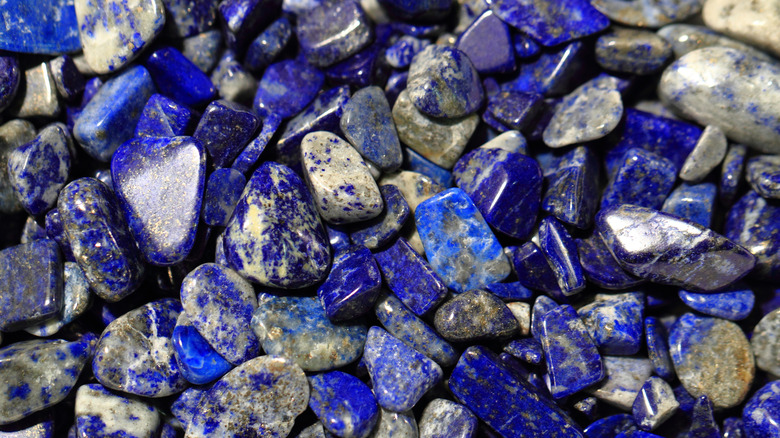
(286, 88)
(444, 418)
(625, 376)
(641, 14)
(760, 415)
(338, 237)
(510, 291)
(425, 10)
(9, 80)
(654, 404)
(69, 81)
(533, 271)
(198, 361)
(475, 315)
(526, 349)
(381, 230)
(368, 124)
(572, 189)
(400, 374)
(352, 286)
(611, 426)
(632, 51)
(551, 23)
(224, 129)
(223, 190)
(403, 51)
(415, 162)
(220, 304)
(244, 18)
(560, 250)
(333, 31)
(291, 249)
(162, 117)
(513, 109)
(754, 222)
(763, 174)
(615, 322)
(695, 203)
(344, 404)
(189, 17)
(247, 159)
(488, 44)
(553, 72)
(233, 82)
(268, 45)
(76, 300)
(159, 183)
(109, 119)
(365, 67)
(703, 419)
(731, 173)
(658, 348)
(40, 26)
(643, 178)
(178, 78)
(100, 412)
(734, 303)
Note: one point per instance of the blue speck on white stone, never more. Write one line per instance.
(101, 413)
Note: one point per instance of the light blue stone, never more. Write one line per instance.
(198, 361)
(654, 404)
(734, 303)
(443, 418)
(344, 404)
(614, 321)
(693, 202)
(40, 26)
(368, 124)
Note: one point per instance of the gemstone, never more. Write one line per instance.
(286, 88)
(189, 17)
(99, 412)
(248, 158)
(268, 45)
(366, 67)
(686, 38)
(693, 202)
(233, 82)
(708, 153)
(734, 303)
(223, 190)
(368, 125)
(754, 223)
(224, 129)
(344, 404)
(553, 72)
(488, 44)
(178, 78)
(624, 378)
(763, 174)
(352, 286)
(752, 23)
(513, 109)
(69, 81)
(243, 18)
(13, 134)
(395, 424)
(443, 418)
(642, 178)
(632, 51)
(198, 361)
(560, 250)
(614, 321)
(333, 31)
(600, 266)
(760, 415)
(533, 271)
(162, 117)
(378, 232)
(766, 344)
(654, 404)
(611, 426)
(572, 189)
(658, 348)
(402, 52)
(474, 316)
(76, 300)
(203, 49)
(40, 26)
(703, 420)
(37, 96)
(526, 349)
(647, 14)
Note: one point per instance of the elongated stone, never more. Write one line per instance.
(632, 51)
(708, 153)
(101, 413)
(686, 38)
(647, 13)
(13, 134)
(368, 124)
(551, 23)
(444, 418)
(658, 348)
(734, 303)
(475, 315)
(395, 424)
(560, 250)
(571, 194)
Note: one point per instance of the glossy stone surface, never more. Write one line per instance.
(333, 31)
(614, 322)
(761, 412)
(763, 174)
(712, 357)
(69, 81)
(114, 32)
(669, 250)
(644, 13)
(368, 125)
(9, 80)
(223, 190)
(754, 223)
(268, 45)
(365, 67)
(632, 51)
(654, 404)
(178, 78)
(275, 237)
(658, 348)
(352, 286)
(395, 424)
(551, 23)
(735, 303)
(224, 129)
(198, 361)
(708, 154)
(286, 88)
(220, 305)
(474, 316)
(13, 134)
(76, 300)
(400, 375)
(102, 413)
(765, 343)
(344, 404)
(162, 117)
(571, 194)
(553, 72)
(425, 10)
(201, 49)
(400, 54)
(189, 17)
(443, 418)
(560, 250)
(488, 44)
(513, 109)
(693, 202)
(642, 178)
(40, 26)
(600, 267)
(526, 349)
(32, 284)
(380, 231)
(686, 38)
(532, 269)
(38, 94)
(39, 374)
(624, 378)
(298, 328)
(749, 23)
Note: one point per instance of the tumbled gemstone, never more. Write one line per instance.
(642, 178)
(162, 117)
(378, 232)
(224, 129)
(368, 125)
(178, 78)
(286, 88)
(752, 23)
(223, 190)
(763, 174)
(632, 51)
(572, 189)
(38, 97)
(658, 348)
(474, 316)
(643, 14)
(352, 286)
(654, 404)
(268, 45)
(686, 38)
(615, 322)
(332, 31)
(624, 378)
(488, 44)
(695, 203)
(551, 23)
(443, 418)
(760, 415)
(198, 361)
(734, 303)
(754, 223)
(40, 26)
(100, 412)
(76, 300)
(344, 404)
(560, 250)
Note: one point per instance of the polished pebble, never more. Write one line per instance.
(754, 223)
(443, 418)
(333, 31)
(162, 117)
(624, 378)
(513, 110)
(198, 361)
(395, 425)
(102, 413)
(560, 250)
(344, 404)
(286, 88)
(763, 175)
(761, 412)
(488, 44)
(381, 230)
(751, 23)
(38, 96)
(643, 13)
(76, 300)
(532, 269)
(224, 129)
(40, 26)
(600, 266)
(614, 321)
(551, 23)
(474, 316)
(268, 45)
(735, 303)
(703, 419)
(352, 286)
(401, 53)
(367, 123)
(765, 343)
(223, 190)
(654, 404)
(571, 194)
(642, 178)
(9, 80)
(686, 38)
(706, 156)
(179, 78)
(69, 81)
(693, 202)
(658, 348)
(632, 51)
(13, 134)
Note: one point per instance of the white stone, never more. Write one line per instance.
(510, 141)
(522, 313)
(625, 377)
(40, 94)
(755, 22)
(706, 155)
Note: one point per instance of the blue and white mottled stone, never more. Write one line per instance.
(526, 349)
(400, 374)
(522, 313)
(299, 329)
(275, 236)
(333, 31)
(178, 78)
(686, 38)
(707, 155)
(712, 357)
(395, 425)
(403, 51)
(220, 305)
(381, 230)
(114, 32)
(342, 186)
(658, 348)
(186, 404)
(40, 373)
(754, 222)
(753, 22)
(761, 415)
(69, 81)
(642, 178)
(76, 300)
(614, 321)
(669, 250)
(261, 397)
(39, 26)
(475, 315)
(135, 352)
(654, 404)
(39, 95)
(443, 418)
(368, 124)
(223, 190)
(647, 13)
(763, 174)
(694, 85)
(560, 250)
(233, 82)
(693, 202)
(625, 377)
(734, 303)
(632, 51)
(225, 129)
(203, 49)
(189, 17)
(765, 343)
(588, 113)
(32, 231)
(542, 305)
(551, 23)
(344, 404)
(198, 361)
(9, 79)
(162, 117)
(510, 141)
(101, 413)
(353, 284)
(13, 134)
(417, 163)
(488, 44)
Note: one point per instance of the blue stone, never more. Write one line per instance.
(220, 304)
(505, 186)
(494, 394)
(333, 31)
(510, 291)
(443, 83)
(9, 79)
(692, 202)
(298, 328)
(268, 45)
(572, 189)
(401, 53)
(243, 18)
(367, 124)
(632, 51)
(642, 14)
(400, 374)
(658, 348)
(162, 117)
(542, 305)
(224, 129)
(352, 286)
(135, 353)
(396, 83)
(186, 18)
(443, 418)
(572, 359)
(669, 250)
(525, 47)
(286, 88)
(611, 427)
(560, 250)
(291, 249)
(703, 423)
(614, 321)
(625, 376)
(760, 415)
(159, 183)
(32, 231)
(417, 10)
(459, 243)
(512, 109)
(366, 67)
(642, 178)
(40, 26)
(754, 223)
(415, 162)
(637, 434)
(600, 265)
(109, 119)
(763, 174)
(198, 361)
(527, 349)
(338, 237)
(474, 316)
(735, 303)
(39, 169)
(381, 230)
(733, 428)
(203, 49)
(31, 282)
(233, 81)
(223, 190)
(76, 301)
(40, 373)
(345, 405)
(69, 81)
(410, 277)
(488, 45)
(178, 78)
(100, 239)
(400, 322)
(551, 23)
(555, 71)
(654, 404)
(533, 271)
(731, 173)
(72, 113)
(247, 159)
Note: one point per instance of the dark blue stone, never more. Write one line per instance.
(632, 51)
(198, 361)
(734, 303)
(600, 265)
(654, 404)
(754, 222)
(366, 67)
(247, 159)
(514, 109)
(561, 252)
(403, 51)
(658, 348)
(243, 19)
(642, 178)
(612, 426)
(91, 88)
(159, 183)
(703, 423)
(333, 31)
(224, 129)
(496, 395)
(417, 10)
(614, 322)
(286, 88)
(542, 305)
(555, 71)
(761, 413)
(551, 23)
(532, 269)
(223, 190)
(733, 428)
(338, 237)
(505, 186)
(525, 46)
(474, 316)
(396, 83)
(69, 81)
(763, 174)
(162, 117)
(40, 26)
(417, 163)
(352, 286)
(510, 291)
(345, 405)
(367, 124)
(694, 203)
(410, 277)
(9, 79)
(186, 404)
(189, 17)
(572, 188)
(526, 349)
(731, 173)
(268, 45)
(488, 44)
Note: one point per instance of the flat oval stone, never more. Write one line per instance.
(275, 237)
(712, 357)
(443, 83)
(299, 329)
(101, 413)
(261, 397)
(343, 188)
(368, 124)
(286, 88)
(753, 22)
(647, 13)
(694, 86)
(443, 418)
(669, 250)
(763, 174)
(220, 305)
(734, 304)
(474, 316)
(754, 223)
(632, 51)
(344, 404)
(760, 415)
(159, 183)
(198, 361)
(135, 352)
(9, 79)
(554, 23)
(686, 38)
(766, 343)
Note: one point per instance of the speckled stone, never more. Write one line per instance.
(532, 269)
(752, 23)
(189, 17)
(642, 178)
(13, 134)
(611, 426)
(733, 428)
(669, 250)
(381, 230)
(395, 425)
(443, 418)
(69, 81)
(766, 344)
(343, 188)
(703, 419)
(186, 403)
(632, 51)
(286, 88)
(686, 38)
(101, 413)
(261, 397)
(643, 13)
(223, 190)
(658, 348)
(224, 129)
(731, 173)
(135, 352)
(400, 54)
(654, 404)
(344, 404)
(488, 43)
(560, 250)
(474, 316)
(754, 223)
(9, 80)
(202, 49)
(551, 23)
(693, 202)
(298, 328)
(333, 31)
(234, 83)
(712, 357)
(162, 117)
(220, 305)
(614, 321)
(275, 236)
(734, 303)
(760, 415)
(40, 373)
(32, 231)
(268, 45)
(693, 85)
(353, 284)
(365, 67)
(624, 378)
(40, 26)
(763, 174)
(198, 361)
(114, 32)
(38, 96)
(76, 300)
(367, 123)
